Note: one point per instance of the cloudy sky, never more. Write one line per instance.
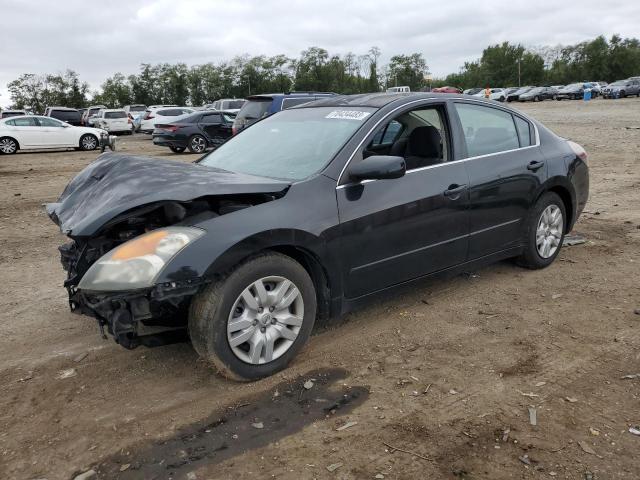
(98, 38)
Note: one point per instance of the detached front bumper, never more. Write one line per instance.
(107, 141)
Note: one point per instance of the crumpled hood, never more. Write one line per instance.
(115, 183)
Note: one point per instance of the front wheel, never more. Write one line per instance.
(623, 94)
(88, 142)
(8, 146)
(252, 323)
(545, 232)
(197, 144)
(536, 98)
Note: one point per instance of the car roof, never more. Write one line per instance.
(379, 100)
(113, 110)
(63, 108)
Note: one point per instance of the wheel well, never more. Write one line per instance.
(317, 273)
(565, 196)
(17, 142)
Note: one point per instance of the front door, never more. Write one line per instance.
(54, 133)
(396, 230)
(506, 169)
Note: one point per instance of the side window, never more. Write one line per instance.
(419, 135)
(49, 122)
(211, 118)
(524, 131)
(487, 130)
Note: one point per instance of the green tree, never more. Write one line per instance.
(407, 70)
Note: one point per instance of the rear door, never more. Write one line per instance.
(505, 168)
(25, 130)
(215, 129)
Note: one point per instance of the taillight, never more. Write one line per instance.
(148, 116)
(578, 150)
(234, 130)
(168, 128)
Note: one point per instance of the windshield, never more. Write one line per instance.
(523, 90)
(619, 83)
(292, 144)
(573, 86)
(535, 90)
(232, 104)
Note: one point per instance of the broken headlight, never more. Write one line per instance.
(138, 262)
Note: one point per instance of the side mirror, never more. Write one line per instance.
(378, 167)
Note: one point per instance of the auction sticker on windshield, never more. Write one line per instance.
(348, 115)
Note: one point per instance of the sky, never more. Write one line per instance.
(99, 38)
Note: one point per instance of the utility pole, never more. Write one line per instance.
(518, 72)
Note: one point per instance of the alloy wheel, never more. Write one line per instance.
(198, 144)
(265, 320)
(549, 231)
(89, 142)
(7, 145)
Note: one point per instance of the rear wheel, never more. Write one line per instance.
(8, 146)
(88, 142)
(197, 144)
(251, 324)
(623, 94)
(177, 149)
(545, 232)
(536, 98)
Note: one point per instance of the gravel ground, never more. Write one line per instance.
(439, 379)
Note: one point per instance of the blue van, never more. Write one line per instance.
(265, 104)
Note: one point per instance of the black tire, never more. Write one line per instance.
(530, 257)
(177, 149)
(8, 146)
(197, 144)
(88, 142)
(536, 98)
(210, 310)
(501, 99)
(623, 94)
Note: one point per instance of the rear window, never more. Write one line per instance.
(171, 112)
(10, 114)
(66, 115)
(115, 114)
(255, 109)
(211, 118)
(137, 108)
(232, 104)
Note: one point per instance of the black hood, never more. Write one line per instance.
(115, 183)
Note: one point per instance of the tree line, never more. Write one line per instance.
(508, 65)
(316, 69)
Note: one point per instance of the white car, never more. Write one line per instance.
(134, 110)
(113, 120)
(155, 115)
(232, 105)
(31, 132)
(498, 94)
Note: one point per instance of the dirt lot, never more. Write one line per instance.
(446, 371)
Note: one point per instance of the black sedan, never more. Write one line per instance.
(574, 91)
(309, 213)
(197, 132)
(538, 94)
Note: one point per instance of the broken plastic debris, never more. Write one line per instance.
(308, 384)
(68, 373)
(533, 416)
(346, 425)
(635, 430)
(571, 240)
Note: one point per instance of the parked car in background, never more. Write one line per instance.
(403, 89)
(557, 87)
(260, 106)
(134, 110)
(446, 90)
(64, 114)
(515, 95)
(621, 89)
(471, 91)
(232, 105)
(11, 113)
(499, 94)
(594, 87)
(90, 112)
(197, 132)
(113, 120)
(35, 132)
(538, 94)
(154, 115)
(307, 214)
(573, 91)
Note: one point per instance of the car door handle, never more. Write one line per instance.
(454, 191)
(533, 166)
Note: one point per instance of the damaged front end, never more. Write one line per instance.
(127, 218)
